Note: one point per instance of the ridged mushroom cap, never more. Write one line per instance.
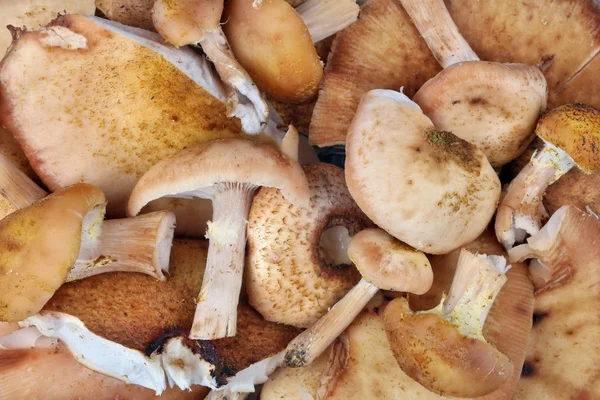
(40, 244)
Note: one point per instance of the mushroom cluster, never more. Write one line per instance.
(164, 232)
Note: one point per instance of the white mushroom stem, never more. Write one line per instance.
(140, 244)
(477, 281)
(16, 187)
(324, 18)
(244, 101)
(216, 309)
(311, 343)
(439, 31)
(521, 211)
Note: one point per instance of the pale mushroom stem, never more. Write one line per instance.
(477, 281)
(216, 309)
(521, 211)
(244, 100)
(311, 343)
(324, 18)
(140, 244)
(439, 31)
(16, 187)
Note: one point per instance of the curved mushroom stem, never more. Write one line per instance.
(139, 244)
(311, 343)
(244, 99)
(324, 18)
(521, 211)
(216, 309)
(439, 31)
(16, 187)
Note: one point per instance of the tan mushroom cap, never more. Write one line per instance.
(430, 189)
(193, 18)
(288, 278)
(389, 264)
(274, 45)
(221, 161)
(38, 247)
(574, 128)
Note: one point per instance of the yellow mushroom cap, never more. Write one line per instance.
(183, 22)
(273, 44)
(38, 247)
(574, 128)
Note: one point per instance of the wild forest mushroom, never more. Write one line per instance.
(384, 263)
(191, 22)
(428, 188)
(562, 359)
(17, 189)
(493, 106)
(444, 348)
(274, 42)
(297, 266)
(228, 172)
(571, 135)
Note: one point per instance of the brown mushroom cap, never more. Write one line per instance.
(136, 13)
(183, 22)
(40, 244)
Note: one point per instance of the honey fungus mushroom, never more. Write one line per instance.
(297, 266)
(571, 136)
(444, 349)
(430, 189)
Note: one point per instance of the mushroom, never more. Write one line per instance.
(62, 238)
(428, 188)
(571, 135)
(228, 172)
(16, 188)
(297, 265)
(274, 42)
(384, 263)
(562, 360)
(444, 348)
(185, 22)
(137, 13)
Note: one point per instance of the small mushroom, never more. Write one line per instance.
(228, 172)
(428, 188)
(444, 348)
(493, 106)
(571, 135)
(384, 263)
(191, 22)
(297, 266)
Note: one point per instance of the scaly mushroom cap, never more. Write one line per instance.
(40, 244)
(220, 161)
(389, 264)
(289, 278)
(406, 176)
(493, 106)
(574, 128)
(183, 22)
(273, 44)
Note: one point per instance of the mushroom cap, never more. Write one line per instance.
(493, 106)
(183, 22)
(431, 190)
(288, 279)
(221, 161)
(389, 264)
(137, 13)
(274, 45)
(38, 247)
(434, 353)
(574, 128)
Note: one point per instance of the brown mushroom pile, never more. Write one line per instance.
(299, 199)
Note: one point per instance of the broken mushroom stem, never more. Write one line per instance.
(439, 31)
(16, 187)
(324, 18)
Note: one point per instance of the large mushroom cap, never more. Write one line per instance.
(430, 189)
(183, 22)
(389, 264)
(40, 244)
(221, 161)
(574, 128)
(493, 106)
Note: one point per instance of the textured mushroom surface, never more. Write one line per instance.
(136, 13)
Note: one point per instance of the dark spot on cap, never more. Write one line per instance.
(538, 317)
(477, 100)
(528, 369)
(455, 102)
(158, 342)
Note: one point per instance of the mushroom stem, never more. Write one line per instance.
(522, 210)
(140, 244)
(244, 99)
(311, 343)
(16, 187)
(216, 310)
(439, 31)
(324, 18)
